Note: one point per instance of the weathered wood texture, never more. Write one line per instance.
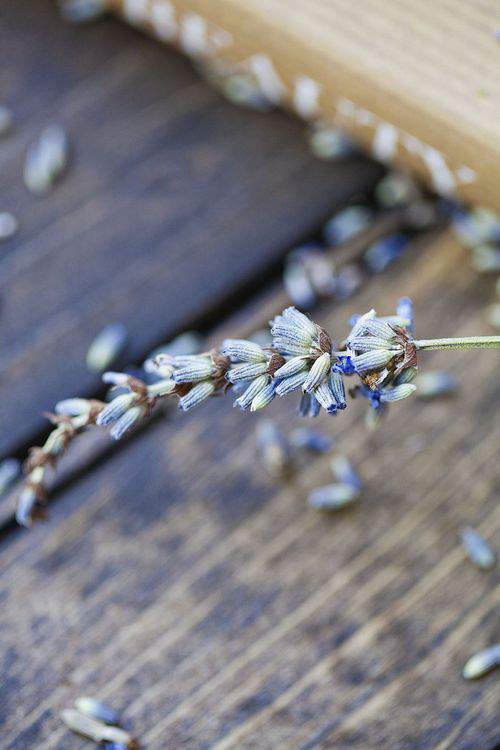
(181, 584)
(174, 204)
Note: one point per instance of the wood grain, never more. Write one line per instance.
(416, 83)
(180, 583)
(174, 206)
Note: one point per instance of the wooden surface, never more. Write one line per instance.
(416, 82)
(175, 204)
(175, 579)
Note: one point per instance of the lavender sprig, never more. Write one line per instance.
(380, 352)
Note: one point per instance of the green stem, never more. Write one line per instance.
(469, 342)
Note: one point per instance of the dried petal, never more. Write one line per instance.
(477, 549)
(482, 662)
(333, 496)
(106, 347)
(97, 710)
(96, 730)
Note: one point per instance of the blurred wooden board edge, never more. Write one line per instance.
(174, 206)
(397, 608)
(404, 79)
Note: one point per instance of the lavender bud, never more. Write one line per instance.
(126, 421)
(97, 710)
(344, 471)
(482, 662)
(347, 224)
(317, 373)
(115, 409)
(106, 347)
(263, 398)
(372, 360)
(255, 387)
(332, 497)
(292, 367)
(196, 395)
(241, 350)
(397, 393)
(8, 225)
(246, 371)
(310, 440)
(287, 385)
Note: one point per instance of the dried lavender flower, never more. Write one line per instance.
(396, 189)
(8, 225)
(384, 251)
(46, 159)
(380, 352)
(329, 143)
(106, 347)
(274, 448)
(486, 258)
(482, 662)
(347, 224)
(333, 496)
(97, 730)
(95, 709)
(344, 472)
(477, 548)
(311, 440)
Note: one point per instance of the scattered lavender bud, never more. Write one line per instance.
(344, 471)
(347, 224)
(298, 285)
(311, 440)
(243, 90)
(96, 730)
(46, 159)
(10, 468)
(97, 710)
(273, 448)
(82, 11)
(494, 315)
(333, 496)
(384, 251)
(477, 549)
(8, 225)
(435, 384)
(347, 280)
(5, 120)
(329, 143)
(480, 225)
(106, 347)
(486, 258)
(482, 662)
(396, 189)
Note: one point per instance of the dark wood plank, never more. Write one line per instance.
(181, 584)
(175, 202)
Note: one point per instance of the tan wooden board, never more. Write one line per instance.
(416, 82)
